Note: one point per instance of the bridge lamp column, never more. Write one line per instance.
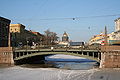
(82, 53)
(27, 45)
(39, 45)
(19, 54)
(15, 55)
(77, 52)
(93, 54)
(87, 53)
(98, 56)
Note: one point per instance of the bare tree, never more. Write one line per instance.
(50, 37)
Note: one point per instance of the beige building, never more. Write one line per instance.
(117, 25)
(19, 28)
(116, 35)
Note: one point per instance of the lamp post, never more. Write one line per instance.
(27, 45)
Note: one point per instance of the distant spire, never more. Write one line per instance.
(106, 42)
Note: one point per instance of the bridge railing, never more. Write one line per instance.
(29, 48)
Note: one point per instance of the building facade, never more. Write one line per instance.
(17, 34)
(116, 34)
(113, 38)
(76, 44)
(117, 25)
(97, 39)
(4, 32)
(20, 36)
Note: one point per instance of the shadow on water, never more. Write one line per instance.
(63, 65)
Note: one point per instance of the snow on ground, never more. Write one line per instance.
(18, 73)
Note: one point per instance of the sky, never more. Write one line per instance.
(57, 16)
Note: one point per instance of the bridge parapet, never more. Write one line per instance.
(110, 48)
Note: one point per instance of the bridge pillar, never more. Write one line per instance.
(19, 54)
(6, 55)
(77, 52)
(93, 54)
(87, 53)
(98, 56)
(82, 53)
(15, 55)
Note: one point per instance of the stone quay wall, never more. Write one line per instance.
(6, 55)
(110, 57)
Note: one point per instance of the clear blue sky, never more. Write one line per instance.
(30, 13)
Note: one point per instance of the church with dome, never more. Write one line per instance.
(65, 40)
(65, 37)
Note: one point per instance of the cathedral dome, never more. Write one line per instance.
(65, 34)
(65, 37)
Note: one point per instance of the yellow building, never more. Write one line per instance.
(19, 28)
(99, 39)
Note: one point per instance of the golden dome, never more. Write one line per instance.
(65, 34)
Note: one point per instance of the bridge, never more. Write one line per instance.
(20, 55)
(108, 56)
